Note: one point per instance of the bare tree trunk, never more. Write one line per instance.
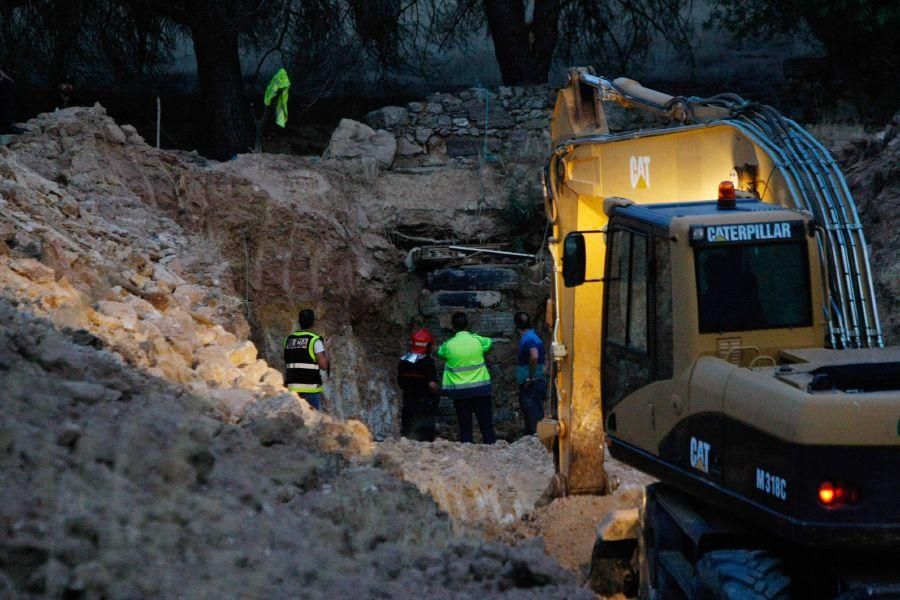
(215, 40)
(523, 49)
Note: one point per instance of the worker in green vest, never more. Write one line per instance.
(467, 381)
(305, 358)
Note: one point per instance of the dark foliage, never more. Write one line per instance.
(52, 42)
(523, 45)
(861, 39)
(619, 34)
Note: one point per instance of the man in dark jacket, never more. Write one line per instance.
(417, 376)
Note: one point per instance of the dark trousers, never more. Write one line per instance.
(484, 413)
(314, 399)
(531, 401)
(417, 419)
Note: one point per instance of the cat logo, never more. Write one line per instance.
(640, 172)
(700, 455)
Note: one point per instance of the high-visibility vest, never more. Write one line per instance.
(466, 374)
(301, 372)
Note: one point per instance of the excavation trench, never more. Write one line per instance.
(145, 437)
(150, 450)
(150, 273)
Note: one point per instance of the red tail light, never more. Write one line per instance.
(826, 493)
(839, 494)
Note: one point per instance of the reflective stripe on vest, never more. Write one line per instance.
(304, 387)
(301, 366)
(467, 386)
(467, 368)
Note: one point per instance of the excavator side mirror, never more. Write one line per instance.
(573, 260)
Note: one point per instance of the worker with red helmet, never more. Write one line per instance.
(417, 375)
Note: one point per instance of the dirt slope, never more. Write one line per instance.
(118, 484)
(483, 487)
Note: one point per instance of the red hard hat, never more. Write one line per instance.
(420, 340)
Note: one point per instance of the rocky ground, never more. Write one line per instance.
(118, 484)
(494, 491)
(145, 444)
(567, 526)
(483, 487)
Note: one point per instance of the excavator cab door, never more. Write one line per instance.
(637, 343)
(626, 360)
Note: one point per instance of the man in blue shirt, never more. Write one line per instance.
(530, 377)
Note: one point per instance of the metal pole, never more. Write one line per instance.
(158, 119)
(487, 251)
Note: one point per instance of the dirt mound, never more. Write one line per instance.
(493, 490)
(872, 165)
(91, 262)
(118, 484)
(484, 487)
(568, 525)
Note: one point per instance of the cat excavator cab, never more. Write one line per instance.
(714, 325)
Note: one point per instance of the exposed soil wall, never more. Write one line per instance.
(281, 233)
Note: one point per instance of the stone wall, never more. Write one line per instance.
(477, 124)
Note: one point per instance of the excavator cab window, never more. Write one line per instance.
(753, 286)
(626, 283)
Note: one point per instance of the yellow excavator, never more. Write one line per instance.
(714, 325)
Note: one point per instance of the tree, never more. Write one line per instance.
(523, 43)
(619, 34)
(529, 34)
(304, 34)
(82, 42)
(377, 23)
(110, 43)
(215, 27)
(861, 39)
